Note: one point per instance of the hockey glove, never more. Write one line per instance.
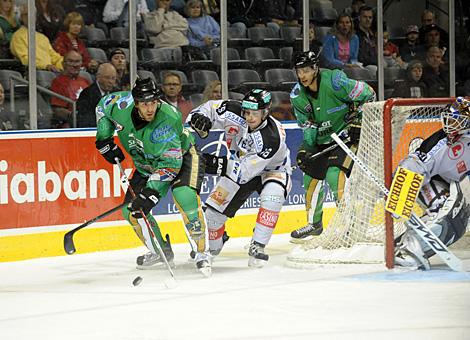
(109, 150)
(302, 157)
(144, 202)
(201, 124)
(354, 132)
(354, 113)
(215, 165)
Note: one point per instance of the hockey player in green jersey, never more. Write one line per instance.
(164, 155)
(325, 102)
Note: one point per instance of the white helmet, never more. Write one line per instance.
(456, 120)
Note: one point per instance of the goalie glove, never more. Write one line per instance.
(109, 150)
(201, 124)
(144, 202)
(215, 165)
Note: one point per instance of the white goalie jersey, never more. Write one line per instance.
(251, 153)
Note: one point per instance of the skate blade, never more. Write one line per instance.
(300, 240)
(206, 271)
(256, 263)
(155, 266)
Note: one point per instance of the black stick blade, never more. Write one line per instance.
(68, 243)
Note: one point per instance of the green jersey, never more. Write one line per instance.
(325, 113)
(157, 148)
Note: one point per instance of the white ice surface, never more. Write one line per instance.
(91, 297)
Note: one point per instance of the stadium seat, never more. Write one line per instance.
(44, 78)
(147, 74)
(196, 99)
(391, 75)
(87, 76)
(291, 34)
(282, 79)
(235, 95)
(237, 36)
(161, 58)
(96, 37)
(321, 32)
(98, 54)
(262, 58)
(285, 53)
(242, 80)
(5, 76)
(358, 73)
(263, 36)
(233, 58)
(204, 77)
(324, 16)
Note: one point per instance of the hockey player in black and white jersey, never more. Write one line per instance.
(259, 161)
(444, 161)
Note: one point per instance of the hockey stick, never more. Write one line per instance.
(69, 246)
(416, 223)
(318, 154)
(149, 236)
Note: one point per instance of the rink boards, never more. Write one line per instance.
(53, 180)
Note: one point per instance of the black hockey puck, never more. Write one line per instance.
(137, 281)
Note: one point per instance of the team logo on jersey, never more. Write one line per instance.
(308, 108)
(338, 81)
(258, 139)
(112, 98)
(461, 167)
(357, 90)
(232, 130)
(163, 134)
(456, 150)
(219, 195)
(235, 118)
(173, 153)
(336, 109)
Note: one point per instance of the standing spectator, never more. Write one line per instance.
(105, 83)
(116, 13)
(166, 28)
(213, 91)
(172, 94)
(8, 25)
(367, 38)
(411, 48)
(70, 40)
(49, 18)
(204, 31)
(413, 86)
(119, 60)
(341, 48)
(435, 73)
(46, 57)
(68, 84)
(8, 120)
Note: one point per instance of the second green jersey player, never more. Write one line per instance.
(164, 155)
(325, 102)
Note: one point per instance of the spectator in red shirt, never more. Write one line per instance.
(391, 53)
(69, 40)
(68, 84)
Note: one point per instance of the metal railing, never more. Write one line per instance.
(46, 91)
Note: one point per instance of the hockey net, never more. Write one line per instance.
(357, 231)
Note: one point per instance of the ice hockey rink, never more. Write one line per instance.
(91, 296)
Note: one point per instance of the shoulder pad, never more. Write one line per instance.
(338, 79)
(267, 140)
(229, 105)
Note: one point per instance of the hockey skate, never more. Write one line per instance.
(152, 261)
(204, 264)
(302, 234)
(257, 256)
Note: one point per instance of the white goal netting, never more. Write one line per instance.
(356, 232)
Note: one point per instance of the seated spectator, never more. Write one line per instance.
(172, 94)
(69, 40)
(432, 37)
(435, 73)
(204, 31)
(413, 86)
(314, 44)
(353, 11)
(8, 25)
(213, 91)
(279, 12)
(212, 8)
(166, 28)
(119, 61)
(428, 18)
(8, 120)
(367, 38)
(341, 48)
(242, 11)
(392, 53)
(68, 84)
(46, 57)
(49, 17)
(105, 83)
(411, 48)
(116, 13)
(91, 11)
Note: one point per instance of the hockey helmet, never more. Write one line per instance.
(456, 119)
(308, 58)
(257, 99)
(145, 90)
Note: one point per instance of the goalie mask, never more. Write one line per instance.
(257, 100)
(145, 90)
(456, 120)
